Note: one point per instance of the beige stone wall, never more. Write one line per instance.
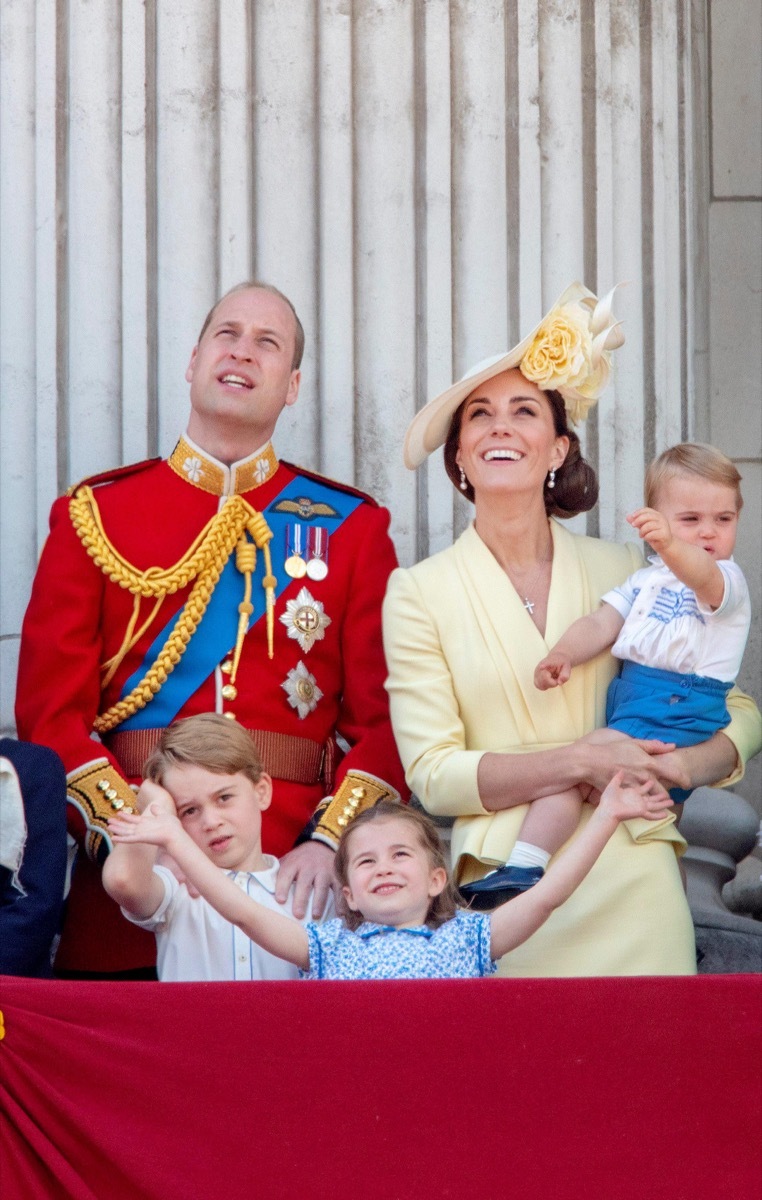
(423, 177)
(734, 178)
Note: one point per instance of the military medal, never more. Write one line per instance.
(305, 620)
(295, 566)
(317, 552)
(302, 690)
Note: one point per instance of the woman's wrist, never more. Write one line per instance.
(581, 762)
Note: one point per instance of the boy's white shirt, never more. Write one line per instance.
(194, 943)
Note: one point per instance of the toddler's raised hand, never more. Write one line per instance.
(554, 670)
(653, 527)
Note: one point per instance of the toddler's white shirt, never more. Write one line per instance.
(666, 627)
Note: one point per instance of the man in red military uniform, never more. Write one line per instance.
(219, 580)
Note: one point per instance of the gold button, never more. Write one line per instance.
(103, 785)
(230, 716)
(353, 802)
(128, 808)
(112, 794)
(342, 821)
(359, 792)
(226, 667)
(117, 804)
(229, 692)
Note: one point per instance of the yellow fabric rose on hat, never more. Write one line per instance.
(570, 353)
(559, 355)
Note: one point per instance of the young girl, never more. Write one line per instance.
(402, 919)
(679, 625)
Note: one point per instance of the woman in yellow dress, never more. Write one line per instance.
(465, 629)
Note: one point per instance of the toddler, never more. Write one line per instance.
(679, 625)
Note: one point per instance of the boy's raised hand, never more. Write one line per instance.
(653, 527)
(554, 670)
(155, 826)
(621, 802)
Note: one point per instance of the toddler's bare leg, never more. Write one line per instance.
(552, 820)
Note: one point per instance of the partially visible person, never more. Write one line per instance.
(33, 856)
(207, 773)
(221, 579)
(679, 626)
(402, 921)
(465, 629)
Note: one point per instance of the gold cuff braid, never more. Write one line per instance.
(99, 793)
(356, 792)
(203, 562)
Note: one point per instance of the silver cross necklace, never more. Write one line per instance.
(528, 604)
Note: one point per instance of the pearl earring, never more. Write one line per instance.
(463, 480)
(552, 478)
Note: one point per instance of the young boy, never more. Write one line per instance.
(206, 770)
(680, 627)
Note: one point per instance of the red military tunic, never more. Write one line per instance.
(325, 676)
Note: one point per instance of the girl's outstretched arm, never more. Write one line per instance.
(278, 934)
(518, 919)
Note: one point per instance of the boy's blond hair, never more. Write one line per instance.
(691, 458)
(210, 741)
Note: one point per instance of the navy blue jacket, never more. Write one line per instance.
(29, 923)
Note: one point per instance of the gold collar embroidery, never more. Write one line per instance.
(198, 468)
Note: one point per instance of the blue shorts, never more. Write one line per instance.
(648, 703)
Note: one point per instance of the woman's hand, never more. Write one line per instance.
(607, 751)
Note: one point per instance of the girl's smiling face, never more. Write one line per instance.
(508, 440)
(391, 877)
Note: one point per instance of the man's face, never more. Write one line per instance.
(240, 372)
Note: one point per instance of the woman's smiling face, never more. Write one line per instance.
(508, 441)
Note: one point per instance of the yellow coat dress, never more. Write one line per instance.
(461, 652)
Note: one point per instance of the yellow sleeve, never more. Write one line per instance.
(425, 714)
(744, 731)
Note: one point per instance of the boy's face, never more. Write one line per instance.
(222, 813)
(701, 513)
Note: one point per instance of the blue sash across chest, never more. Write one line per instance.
(216, 633)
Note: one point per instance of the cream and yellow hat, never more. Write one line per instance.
(568, 352)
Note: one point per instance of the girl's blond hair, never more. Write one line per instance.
(443, 906)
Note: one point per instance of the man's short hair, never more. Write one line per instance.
(252, 285)
(208, 740)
